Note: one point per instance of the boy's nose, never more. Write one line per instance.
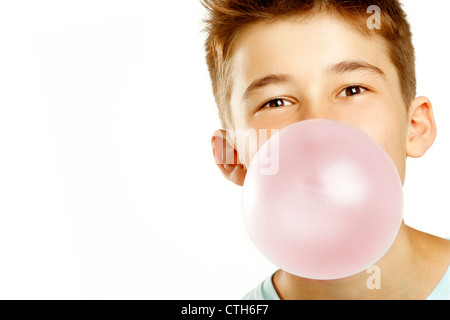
(318, 110)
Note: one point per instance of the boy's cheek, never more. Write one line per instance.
(393, 145)
(390, 143)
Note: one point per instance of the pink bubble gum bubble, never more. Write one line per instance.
(331, 209)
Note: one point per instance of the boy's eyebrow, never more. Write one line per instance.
(348, 66)
(341, 67)
(265, 81)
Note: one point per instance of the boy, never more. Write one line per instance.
(274, 63)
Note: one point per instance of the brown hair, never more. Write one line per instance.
(227, 17)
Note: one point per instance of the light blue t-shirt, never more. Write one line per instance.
(266, 291)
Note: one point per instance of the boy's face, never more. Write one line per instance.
(289, 71)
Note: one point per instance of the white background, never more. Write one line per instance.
(108, 187)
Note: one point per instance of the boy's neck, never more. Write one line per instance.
(401, 273)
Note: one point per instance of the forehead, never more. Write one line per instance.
(304, 49)
(312, 38)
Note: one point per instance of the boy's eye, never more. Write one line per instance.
(277, 103)
(351, 91)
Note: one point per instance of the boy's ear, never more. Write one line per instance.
(422, 127)
(227, 158)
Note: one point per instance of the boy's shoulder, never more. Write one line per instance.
(435, 248)
(442, 290)
(264, 291)
(434, 260)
